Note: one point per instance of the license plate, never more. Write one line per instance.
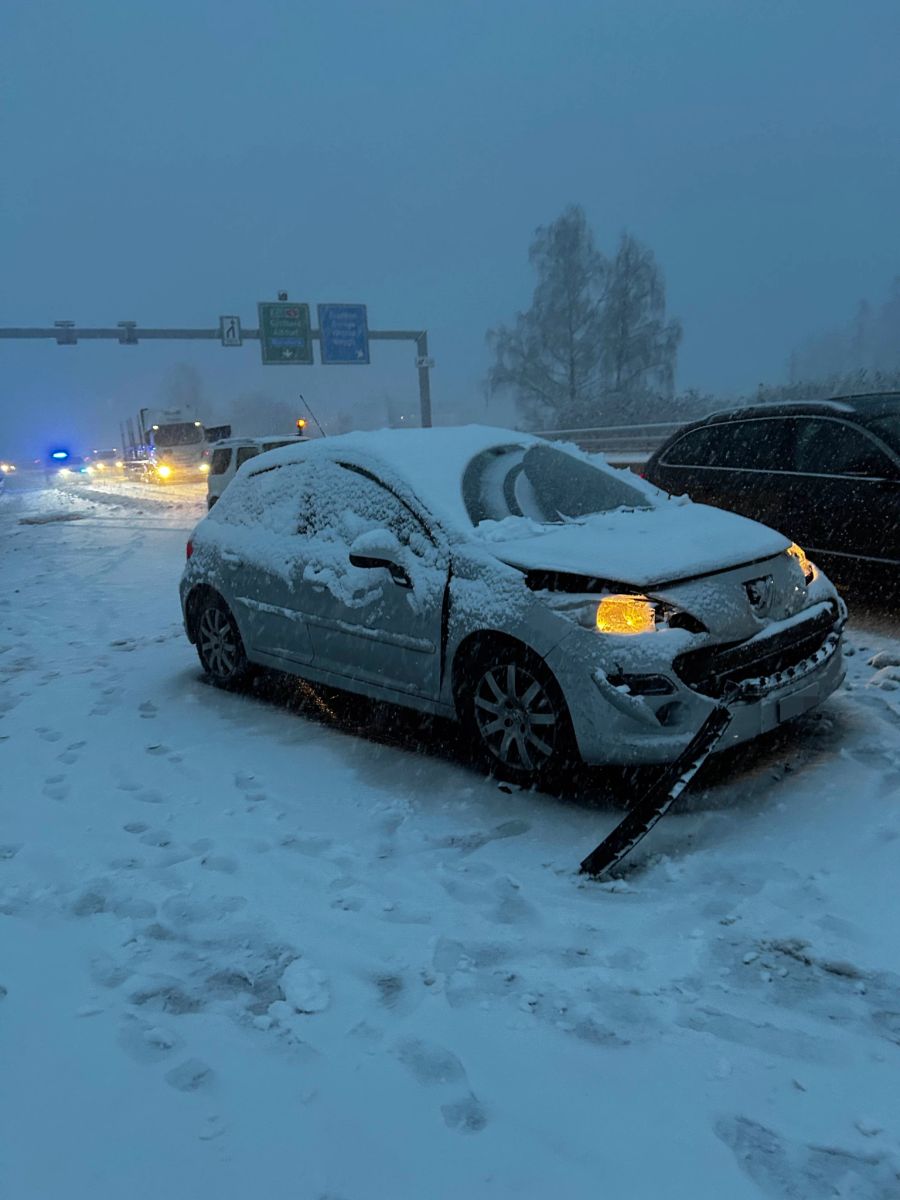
(799, 702)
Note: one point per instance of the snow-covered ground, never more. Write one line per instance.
(249, 950)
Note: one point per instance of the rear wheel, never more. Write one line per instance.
(516, 711)
(219, 645)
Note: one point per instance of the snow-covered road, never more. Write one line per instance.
(245, 950)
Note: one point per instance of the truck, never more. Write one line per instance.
(168, 444)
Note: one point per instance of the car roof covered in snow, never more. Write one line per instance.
(431, 461)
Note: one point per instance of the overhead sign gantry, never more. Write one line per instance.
(284, 333)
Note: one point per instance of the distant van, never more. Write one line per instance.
(227, 456)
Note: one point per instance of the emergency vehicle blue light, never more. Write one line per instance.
(60, 454)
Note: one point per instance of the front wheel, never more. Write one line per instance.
(516, 711)
(219, 645)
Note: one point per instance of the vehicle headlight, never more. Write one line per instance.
(164, 471)
(808, 568)
(626, 614)
(204, 468)
(99, 466)
(64, 471)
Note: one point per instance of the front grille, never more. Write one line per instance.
(709, 670)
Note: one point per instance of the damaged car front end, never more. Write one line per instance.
(656, 687)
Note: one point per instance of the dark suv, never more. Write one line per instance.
(825, 473)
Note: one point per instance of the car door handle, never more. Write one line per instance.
(229, 557)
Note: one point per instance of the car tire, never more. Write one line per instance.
(220, 647)
(516, 717)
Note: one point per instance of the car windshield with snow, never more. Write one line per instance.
(559, 609)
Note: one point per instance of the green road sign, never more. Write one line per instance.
(284, 333)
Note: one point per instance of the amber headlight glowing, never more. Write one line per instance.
(204, 468)
(626, 614)
(809, 571)
(163, 471)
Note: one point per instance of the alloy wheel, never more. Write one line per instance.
(516, 717)
(218, 643)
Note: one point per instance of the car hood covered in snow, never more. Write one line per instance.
(642, 547)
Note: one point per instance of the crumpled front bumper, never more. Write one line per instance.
(615, 727)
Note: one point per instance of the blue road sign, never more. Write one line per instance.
(343, 334)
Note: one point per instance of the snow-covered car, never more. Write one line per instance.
(558, 608)
(229, 454)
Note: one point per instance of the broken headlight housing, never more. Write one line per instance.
(808, 568)
(621, 613)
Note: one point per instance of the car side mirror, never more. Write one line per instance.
(380, 548)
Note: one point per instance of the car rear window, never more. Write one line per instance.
(245, 453)
(835, 448)
(220, 460)
(278, 445)
(888, 429)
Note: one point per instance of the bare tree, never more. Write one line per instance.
(551, 358)
(595, 344)
(639, 347)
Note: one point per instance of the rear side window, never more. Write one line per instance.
(245, 453)
(278, 445)
(826, 447)
(267, 499)
(220, 461)
(338, 503)
(753, 445)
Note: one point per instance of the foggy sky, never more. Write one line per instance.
(168, 162)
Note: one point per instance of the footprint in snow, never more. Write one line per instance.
(219, 862)
(55, 787)
(167, 995)
(440, 1070)
(150, 796)
(144, 1041)
(783, 1169)
(468, 843)
(148, 709)
(246, 782)
(156, 837)
(189, 1076)
(48, 735)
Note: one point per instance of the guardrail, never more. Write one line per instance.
(627, 443)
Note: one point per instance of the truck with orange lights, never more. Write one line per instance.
(168, 445)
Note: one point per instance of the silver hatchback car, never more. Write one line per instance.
(558, 608)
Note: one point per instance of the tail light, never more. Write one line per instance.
(189, 549)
